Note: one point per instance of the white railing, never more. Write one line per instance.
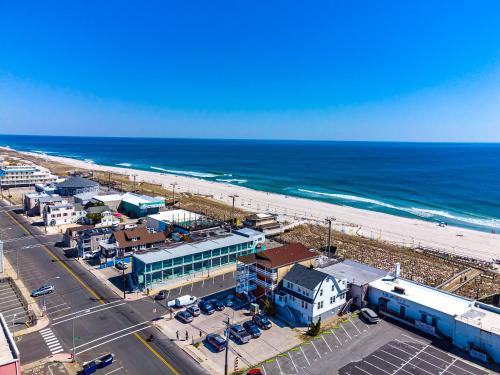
(266, 284)
(260, 271)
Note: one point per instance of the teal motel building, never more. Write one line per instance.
(154, 267)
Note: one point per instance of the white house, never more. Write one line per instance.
(108, 219)
(307, 294)
(62, 213)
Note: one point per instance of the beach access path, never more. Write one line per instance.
(376, 225)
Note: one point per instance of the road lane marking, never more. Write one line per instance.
(90, 308)
(85, 314)
(113, 339)
(111, 334)
(157, 354)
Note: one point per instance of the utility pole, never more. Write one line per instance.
(234, 196)
(329, 221)
(226, 370)
(174, 184)
(109, 181)
(123, 273)
(134, 176)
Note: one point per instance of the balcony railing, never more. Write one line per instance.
(260, 271)
(266, 284)
(245, 276)
(248, 288)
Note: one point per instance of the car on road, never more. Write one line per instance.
(121, 265)
(206, 307)
(239, 334)
(216, 341)
(262, 321)
(194, 310)
(162, 294)
(219, 305)
(369, 315)
(44, 289)
(184, 316)
(252, 328)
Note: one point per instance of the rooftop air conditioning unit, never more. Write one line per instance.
(399, 290)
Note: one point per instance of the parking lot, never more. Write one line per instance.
(410, 356)
(12, 307)
(381, 349)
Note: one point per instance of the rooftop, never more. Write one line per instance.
(304, 276)
(181, 249)
(247, 232)
(356, 273)
(76, 182)
(8, 349)
(175, 216)
(108, 197)
(85, 196)
(425, 295)
(137, 199)
(484, 316)
(280, 256)
(137, 236)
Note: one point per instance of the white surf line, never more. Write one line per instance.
(116, 338)
(91, 308)
(111, 334)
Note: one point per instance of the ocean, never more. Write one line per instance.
(441, 182)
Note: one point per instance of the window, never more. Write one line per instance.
(424, 318)
(332, 300)
(321, 292)
(320, 304)
(333, 287)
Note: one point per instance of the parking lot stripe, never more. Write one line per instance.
(115, 370)
(348, 335)
(357, 329)
(304, 354)
(366, 372)
(392, 355)
(371, 364)
(314, 346)
(293, 363)
(281, 372)
(263, 368)
(326, 343)
(340, 343)
(383, 360)
(9, 299)
(414, 339)
(401, 350)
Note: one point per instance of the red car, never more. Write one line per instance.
(254, 371)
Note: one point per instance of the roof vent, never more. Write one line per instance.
(399, 290)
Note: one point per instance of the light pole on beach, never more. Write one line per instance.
(329, 221)
(234, 196)
(173, 184)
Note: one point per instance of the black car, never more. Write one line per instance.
(252, 328)
(262, 321)
(162, 294)
(216, 341)
(219, 305)
(206, 307)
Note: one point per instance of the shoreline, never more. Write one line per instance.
(356, 221)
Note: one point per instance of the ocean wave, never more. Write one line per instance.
(124, 164)
(237, 180)
(421, 212)
(90, 161)
(185, 173)
(43, 152)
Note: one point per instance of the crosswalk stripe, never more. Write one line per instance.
(54, 345)
(57, 351)
(52, 340)
(45, 334)
(45, 330)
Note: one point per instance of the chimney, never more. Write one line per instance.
(398, 271)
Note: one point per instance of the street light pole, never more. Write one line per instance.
(226, 370)
(234, 196)
(13, 321)
(174, 184)
(73, 338)
(329, 221)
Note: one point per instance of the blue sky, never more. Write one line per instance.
(366, 70)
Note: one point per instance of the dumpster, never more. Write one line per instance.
(106, 360)
(89, 368)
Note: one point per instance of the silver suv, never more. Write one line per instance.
(240, 334)
(44, 289)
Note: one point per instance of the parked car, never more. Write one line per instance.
(216, 341)
(262, 321)
(194, 310)
(252, 328)
(239, 334)
(44, 289)
(206, 307)
(162, 294)
(181, 301)
(219, 305)
(369, 315)
(90, 255)
(121, 265)
(229, 300)
(254, 371)
(184, 316)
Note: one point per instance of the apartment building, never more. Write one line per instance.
(131, 240)
(24, 175)
(259, 274)
(88, 241)
(62, 213)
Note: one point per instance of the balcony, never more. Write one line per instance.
(269, 275)
(265, 284)
(248, 288)
(242, 276)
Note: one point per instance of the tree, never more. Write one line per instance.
(269, 307)
(315, 328)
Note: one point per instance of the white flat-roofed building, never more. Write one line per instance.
(473, 326)
(10, 361)
(111, 200)
(155, 266)
(24, 175)
(161, 221)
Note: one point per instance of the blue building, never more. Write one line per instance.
(154, 267)
(76, 185)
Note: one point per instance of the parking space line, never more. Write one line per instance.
(314, 346)
(383, 360)
(326, 343)
(304, 354)
(392, 355)
(115, 370)
(366, 372)
(8, 300)
(378, 368)
(340, 343)
(401, 350)
(357, 329)
(293, 363)
(276, 358)
(180, 290)
(348, 335)
(263, 368)
(414, 339)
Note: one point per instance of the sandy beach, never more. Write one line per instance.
(403, 231)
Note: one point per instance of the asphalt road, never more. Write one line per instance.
(101, 320)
